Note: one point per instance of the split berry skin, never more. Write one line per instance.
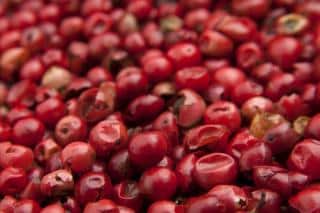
(189, 106)
(94, 183)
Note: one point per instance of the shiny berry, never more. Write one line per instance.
(158, 183)
(78, 156)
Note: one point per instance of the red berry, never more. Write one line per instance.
(15, 156)
(50, 111)
(131, 82)
(108, 136)
(70, 128)
(164, 206)
(184, 170)
(213, 137)
(97, 24)
(157, 68)
(160, 180)
(28, 132)
(189, 108)
(234, 198)
(57, 183)
(215, 44)
(306, 200)
(148, 148)
(12, 180)
(7, 203)
(144, 108)
(92, 187)
(45, 149)
(184, 55)
(78, 156)
(271, 199)
(256, 155)
(249, 55)
(204, 203)
(214, 169)
(223, 113)
(100, 206)
(304, 156)
(96, 103)
(195, 78)
(127, 194)
(57, 208)
(228, 77)
(284, 47)
(252, 8)
(119, 166)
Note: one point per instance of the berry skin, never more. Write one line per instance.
(147, 149)
(215, 165)
(162, 180)
(184, 55)
(78, 156)
(28, 132)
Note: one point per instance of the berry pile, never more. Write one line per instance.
(159, 106)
